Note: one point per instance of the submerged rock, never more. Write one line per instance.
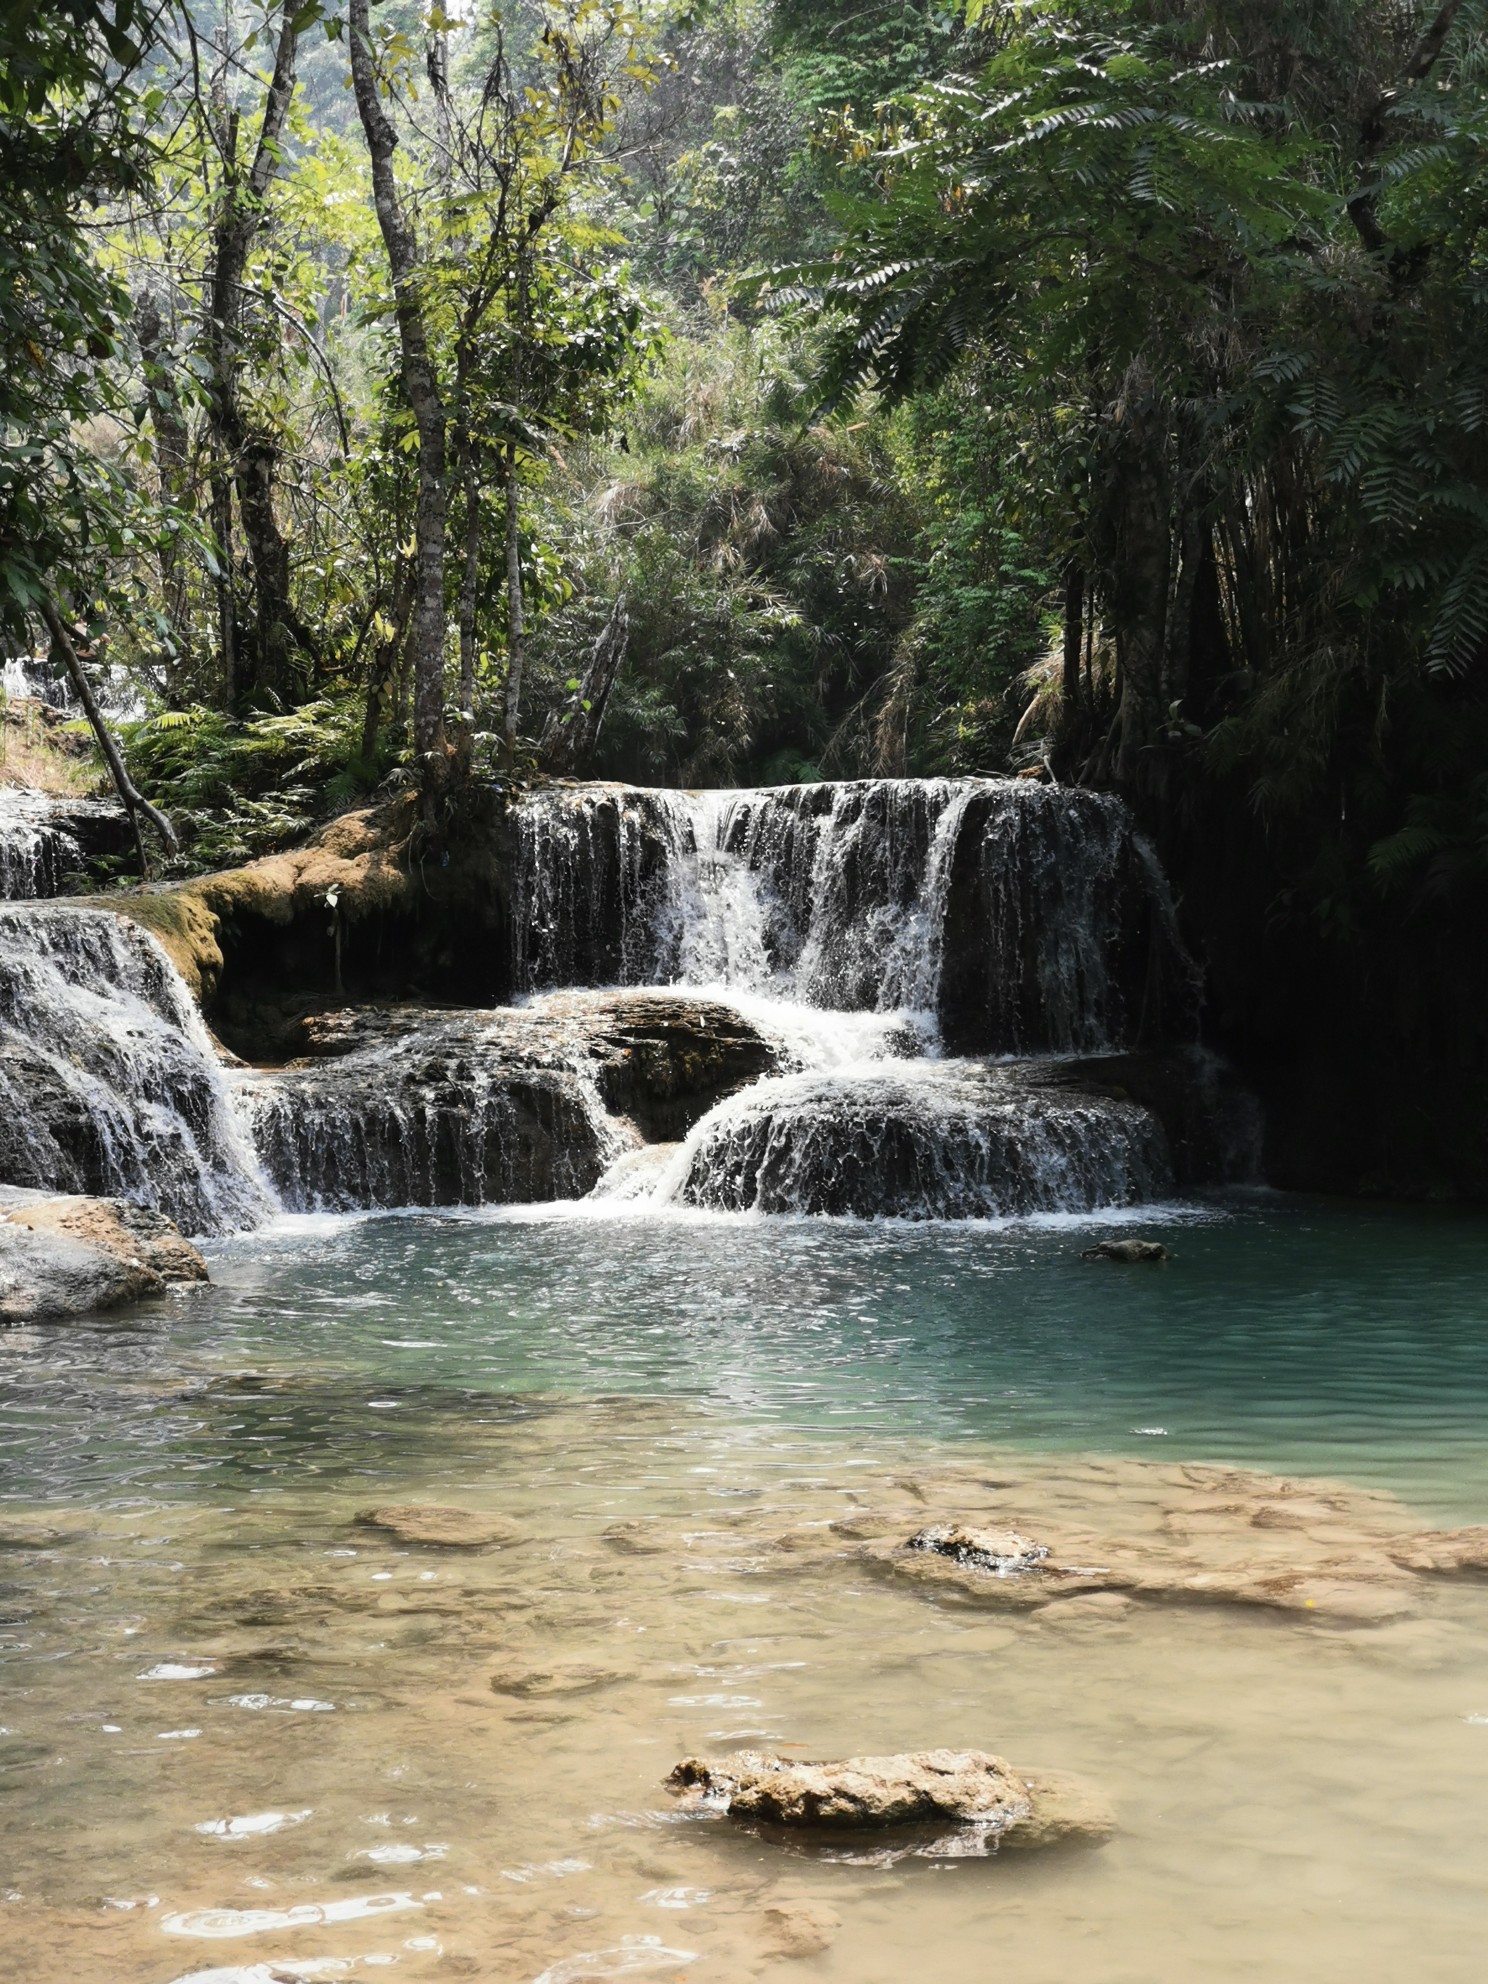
(981, 1796)
(1003, 1552)
(796, 1926)
(64, 1256)
(1127, 1250)
(1358, 1585)
(448, 1529)
(563, 1677)
(1443, 1550)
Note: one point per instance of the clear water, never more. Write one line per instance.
(228, 1706)
(1305, 1338)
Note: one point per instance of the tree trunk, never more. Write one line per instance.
(172, 457)
(515, 621)
(1074, 632)
(421, 385)
(222, 584)
(382, 683)
(568, 746)
(134, 801)
(469, 578)
(252, 457)
(1139, 604)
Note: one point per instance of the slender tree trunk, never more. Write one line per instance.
(1074, 630)
(252, 455)
(382, 682)
(1140, 596)
(569, 746)
(516, 619)
(172, 456)
(421, 385)
(469, 575)
(222, 584)
(516, 630)
(134, 801)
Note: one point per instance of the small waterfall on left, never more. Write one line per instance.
(108, 1080)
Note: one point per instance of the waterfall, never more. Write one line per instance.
(46, 840)
(108, 1080)
(1023, 918)
(884, 932)
(901, 998)
(37, 849)
(390, 1127)
(947, 1141)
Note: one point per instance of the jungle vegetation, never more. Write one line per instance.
(751, 390)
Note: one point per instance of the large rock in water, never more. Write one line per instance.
(981, 1798)
(952, 1140)
(424, 1106)
(66, 1256)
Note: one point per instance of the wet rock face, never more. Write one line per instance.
(49, 841)
(108, 1082)
(65, 1256)
(421, 1106)
(1029, 919)
(960, 1141)
(967, 1802)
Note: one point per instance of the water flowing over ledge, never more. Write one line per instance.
(1025, 918)
(927, 999)
(108, 1080)
(792, 967)
(46, 840)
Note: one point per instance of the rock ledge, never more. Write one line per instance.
(64, 1255)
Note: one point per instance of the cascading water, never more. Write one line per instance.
(867, 927)
(47, 840)
(108, 1080)
(38, 850)
(1024, 918)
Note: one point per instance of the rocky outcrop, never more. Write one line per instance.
(1318, 1567)
(1127, 1251)
(970, 1800)
(430, 1106)
(1444, 1551)
(49, 841)
(65, 1256)
(108, 1082)
(1029, 919)
(958, 1140)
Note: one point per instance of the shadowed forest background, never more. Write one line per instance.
(756, 393)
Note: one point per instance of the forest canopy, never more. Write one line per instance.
(757, 390)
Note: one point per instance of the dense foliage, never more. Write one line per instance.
(755, 389)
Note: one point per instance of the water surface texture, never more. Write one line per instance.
(247, 1739)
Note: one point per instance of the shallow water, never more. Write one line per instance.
(228, 1706)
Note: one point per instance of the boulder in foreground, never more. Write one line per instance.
(65, 1255)
(971, 1799)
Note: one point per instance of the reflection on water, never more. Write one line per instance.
(247, 1738)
